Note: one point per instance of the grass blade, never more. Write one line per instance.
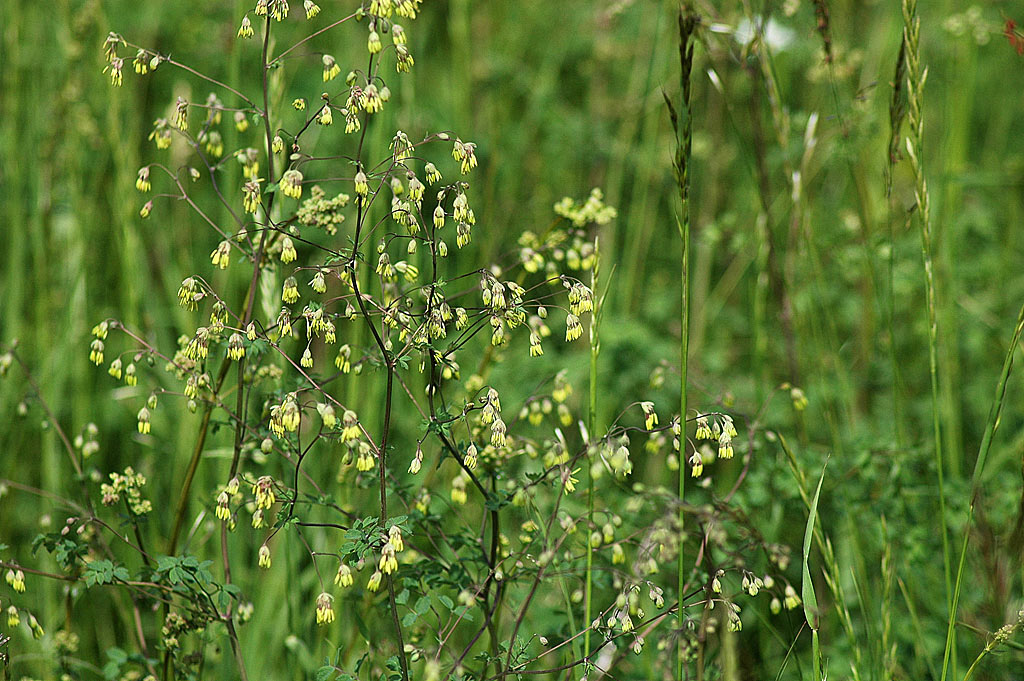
(807, 586)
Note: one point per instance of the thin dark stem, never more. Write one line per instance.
(389, 363)
(313, 35)
(191, 70)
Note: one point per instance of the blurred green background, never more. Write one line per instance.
(561, 97)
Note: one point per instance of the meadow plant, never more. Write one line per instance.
(339, 364)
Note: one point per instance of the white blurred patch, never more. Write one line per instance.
(776, 36)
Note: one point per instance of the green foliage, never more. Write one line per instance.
(104, 572)
(809, 324)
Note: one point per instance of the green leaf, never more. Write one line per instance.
(807, 587)
(325, 673)
(116, 659)
(100, 572)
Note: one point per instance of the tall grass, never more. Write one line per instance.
(917, 74)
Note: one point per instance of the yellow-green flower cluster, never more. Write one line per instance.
(327, 415)
(249, 159)
(650, 416)
(490, 415)
(263, 559)
(581, 299)
(145, 62)
(318, 284)
(199, 347)
(143, 418)
(128, 486)
(290, 290)
(465, 153)
(617, 456)
(263, 490)
(325, 116)
(319, 211)
(573, 327)
(223, 511)
(344, 577)
(221, 256)
(324, 611)
(286, 416)
(181, 114)
(245, 30)
(96, 348)
(284, 323)
(344, 359)
(288, 252)
(401, 147)
(161, 135)
(236, 347)
(350, 426)
(362, 185)
(291, 183)
(569, 479)
(278, 9)
(373, 43)
(37, 629)
(405, 60)
(404, 8)
(331, 68)
(115, 66)
(189, 294)
(366, 459)
(371, 99)
(388, 560)
(251, 194)
(16, 580)
(593, 210)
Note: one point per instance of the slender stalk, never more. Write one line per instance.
(682, 124)
(897, 114)
(994, 415)
(916, 77)
(595, 349)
